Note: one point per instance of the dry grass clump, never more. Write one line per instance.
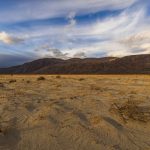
(58, 77)
(1, 85)
(133, 111)
(12, 81)
(133, 92)
(95, 88)
(41, 78)
(81, 79)
(28, 81)
(3, 130)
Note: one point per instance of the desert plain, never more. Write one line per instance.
(75, 112)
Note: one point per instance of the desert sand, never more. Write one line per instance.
(75, 112)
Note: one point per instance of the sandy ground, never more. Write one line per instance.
(75, 112)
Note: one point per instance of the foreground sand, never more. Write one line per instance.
(75, 113)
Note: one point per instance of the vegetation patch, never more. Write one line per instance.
(28, 81)
(12, 81)
(132, 111)
(41, 78)
(81, 79)
(58, 77)
(2, 85)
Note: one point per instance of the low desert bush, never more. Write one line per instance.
(28, 81)
(97, 88)
(81, 79)
(41, 78)
(12, 81)
(1, 85)
(58, 77)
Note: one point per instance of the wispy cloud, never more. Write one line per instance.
(125, 33)
(24, 10)
(111, 35)
(138, 42)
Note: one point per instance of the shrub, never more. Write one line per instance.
(58, 77)
(1, 85)
(97, 88)
(40, 78)
(12, 81)
(81, 79)
(28, 81)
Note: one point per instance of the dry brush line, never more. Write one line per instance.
(132, 111)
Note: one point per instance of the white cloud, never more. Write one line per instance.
(124, 34)
(138, 42)
(71, 15)
(47, 51)
(79, 55)
(7, 39)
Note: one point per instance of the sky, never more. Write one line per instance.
(33, 29)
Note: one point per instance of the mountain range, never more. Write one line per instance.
(134, 64)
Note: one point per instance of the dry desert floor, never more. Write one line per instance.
(75, 112)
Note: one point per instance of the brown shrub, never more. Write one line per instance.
(1, 85)
(41, 78)
(132, 110)
(12, 81)
(58, 77)
(28, 81)
(81, 79)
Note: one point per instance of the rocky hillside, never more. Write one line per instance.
(135, 64)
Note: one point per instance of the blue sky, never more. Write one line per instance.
(32, 29)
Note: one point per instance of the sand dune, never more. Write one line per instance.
(75, 112)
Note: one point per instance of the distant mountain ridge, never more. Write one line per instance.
(135, 64)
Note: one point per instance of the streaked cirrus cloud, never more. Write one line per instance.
(67, 28)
